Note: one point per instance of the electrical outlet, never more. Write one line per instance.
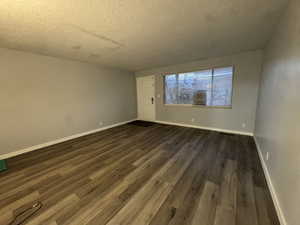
(101, 123)
(243, 125)
(267, 156)
(193, 119)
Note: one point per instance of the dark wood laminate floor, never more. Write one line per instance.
(154, 175)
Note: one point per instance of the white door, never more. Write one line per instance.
(145, 98)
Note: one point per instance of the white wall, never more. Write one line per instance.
(245, 90)
(278, 115)
(44, 98)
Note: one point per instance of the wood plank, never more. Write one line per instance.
(34, 196)
(166, 175)
(246, 208)
(178, 206)
(226, 209)
(42, 217)
(206, 208)
(148, 212)
(262, 207)
(138, 201)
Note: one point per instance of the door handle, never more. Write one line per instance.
(152, 100)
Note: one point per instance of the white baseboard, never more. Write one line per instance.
(270, 185)
(206, 128)
(36, 147)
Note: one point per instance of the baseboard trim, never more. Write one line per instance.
(270, 185)
(206, 128)
(57, 141)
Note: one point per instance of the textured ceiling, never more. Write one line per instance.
(137, 34)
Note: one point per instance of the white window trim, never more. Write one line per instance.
(200, 106)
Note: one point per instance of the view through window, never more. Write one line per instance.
(212, 87)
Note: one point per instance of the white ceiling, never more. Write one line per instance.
(137, 34)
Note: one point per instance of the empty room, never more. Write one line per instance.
(159, 112)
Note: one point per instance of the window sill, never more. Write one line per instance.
(198, 106)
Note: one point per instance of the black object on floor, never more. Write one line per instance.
(142, 123)
(228, 134)
(23, 216)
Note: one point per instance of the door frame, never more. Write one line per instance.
(154, 96)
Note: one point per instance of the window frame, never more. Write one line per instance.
(200, 69)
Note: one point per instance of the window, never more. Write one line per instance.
(212, 87)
